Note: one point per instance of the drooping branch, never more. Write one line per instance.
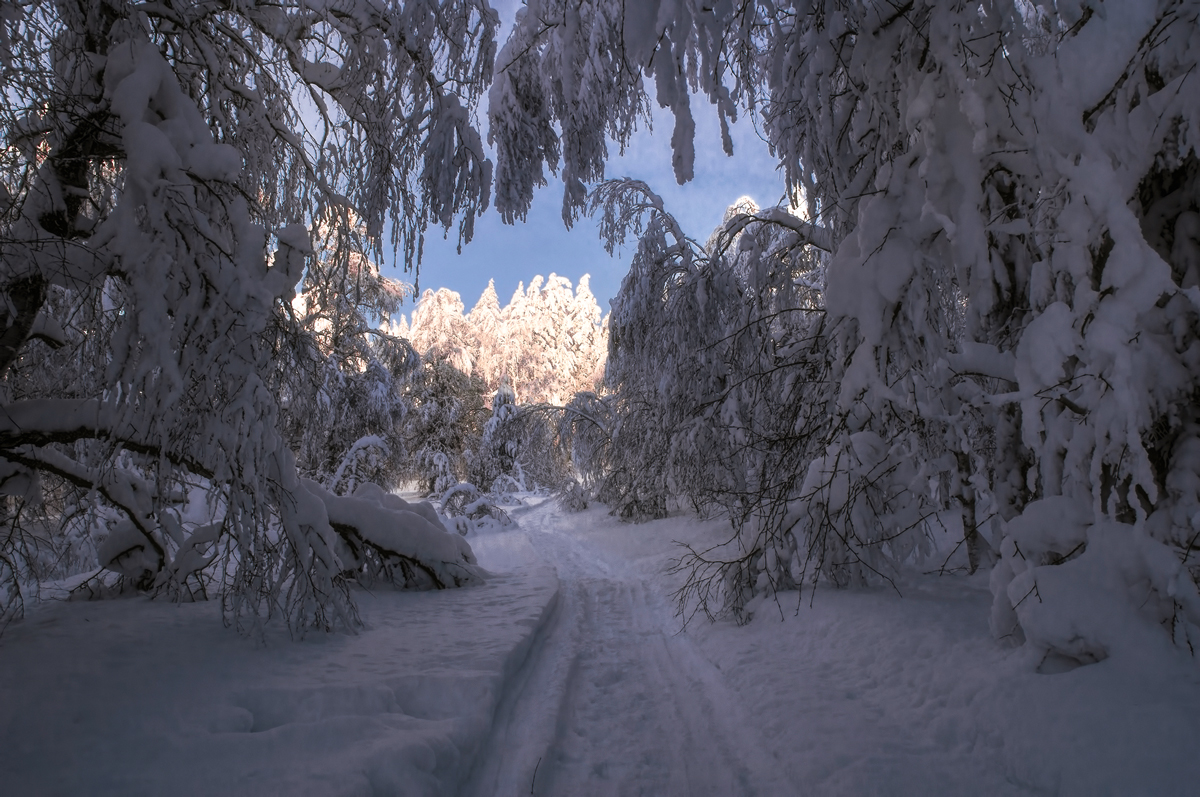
(42, 422)
(809, 234)
(122, 489)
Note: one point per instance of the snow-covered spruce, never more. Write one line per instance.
(442, 426)
(547, 344)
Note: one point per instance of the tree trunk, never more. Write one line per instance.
(966, 500)
(25, 299)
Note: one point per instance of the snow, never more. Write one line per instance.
(983, 359)
(137, 697)
(616, 702)
(125, 551)
(863, 693)
(394, 528)
(565, 673)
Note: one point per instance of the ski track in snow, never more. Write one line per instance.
(612, 700)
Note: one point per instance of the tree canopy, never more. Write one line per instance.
(162, 163)
(988, 304)
(1005, 197)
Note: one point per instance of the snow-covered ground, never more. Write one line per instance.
(139, 697)
(566, 674)
(615, 700)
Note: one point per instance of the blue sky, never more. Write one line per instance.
(514, 254)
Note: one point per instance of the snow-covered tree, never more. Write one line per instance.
(496, 458)
(553, 342)
(345, 401)
(587, 336)
(717, 362)
(546, 344)
(160, 163)
(445, 419)
(527, 358)
(486, 324)
(1008, 193)
(439, 331)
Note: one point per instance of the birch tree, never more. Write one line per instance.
(161, 164)
(1007, 193)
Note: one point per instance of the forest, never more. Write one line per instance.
(978, 308)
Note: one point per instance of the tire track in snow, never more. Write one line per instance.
(611, 701)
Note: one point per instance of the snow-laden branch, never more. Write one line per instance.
(123, 489)
(808, 233)
(623, 205)
(400, 536)
(42, 422)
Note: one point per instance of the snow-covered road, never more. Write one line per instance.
(612, 699)
(850, 692)
(564, 675)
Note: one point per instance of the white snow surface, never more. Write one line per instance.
(140, 697)
(566, 674)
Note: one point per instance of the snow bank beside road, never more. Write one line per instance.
(135, 697)
(867, 693)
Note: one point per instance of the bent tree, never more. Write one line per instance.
(161, 162)
(1007, 192)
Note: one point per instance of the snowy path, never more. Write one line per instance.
(611, 699)
(858, 692)
(576, 672)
